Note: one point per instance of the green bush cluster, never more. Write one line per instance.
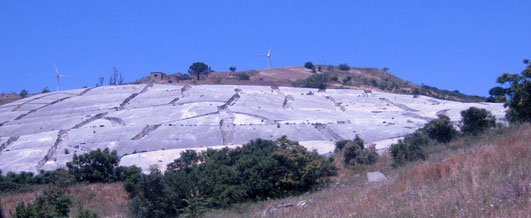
(476, 120)
(318, 81)
(355, 153)
(99, 166)
(259, 170)
(344, 67)
(243, 76)
(412, 148)
(441, 130)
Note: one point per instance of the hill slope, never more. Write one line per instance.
(353, 78)
(151, 123)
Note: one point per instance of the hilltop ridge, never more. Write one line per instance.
(337, 77)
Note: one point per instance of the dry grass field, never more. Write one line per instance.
(107, 200)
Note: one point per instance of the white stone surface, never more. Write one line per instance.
(160, 121)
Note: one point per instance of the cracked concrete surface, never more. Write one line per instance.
(157, 121)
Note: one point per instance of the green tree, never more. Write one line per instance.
(23, 93)
(232, 68)
(519, 94)
(95, 166)
(45, 90)
(441, 129)
(199, 68)
(308, 65)
(475, 120)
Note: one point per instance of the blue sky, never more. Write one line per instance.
(455, 45)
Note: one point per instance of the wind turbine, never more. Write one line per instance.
(268, 55)
(57, 75)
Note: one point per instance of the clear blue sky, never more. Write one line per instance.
(455, 45)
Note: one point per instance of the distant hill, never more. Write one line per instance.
(352, 78)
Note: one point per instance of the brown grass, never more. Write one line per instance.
(107, 200)
(487, 176)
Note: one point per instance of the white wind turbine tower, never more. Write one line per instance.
(57, 75)
(268, 55)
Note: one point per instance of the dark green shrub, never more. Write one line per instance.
(475, 120)
(45, 90)
(308, 65)
(243, 76)
(340, 145)
(319, 81)
(344, 67)
(441, 129)
(355, 153)
(259, 170)
(412, 148)
(95, 166)
(23, 93)
(347, 79)
(232, 68)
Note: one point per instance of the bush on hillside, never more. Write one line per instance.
(23, 93)
(95, 166)
(355, 153)
(340, 145)
(259, 170)
(344, 67)
(243, 76)
(441, 129)
(412, 148)
(475, 120)
(99, 166)
(318, 81)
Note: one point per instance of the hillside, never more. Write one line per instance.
(150, 124)
(353, 78)
(475, 176)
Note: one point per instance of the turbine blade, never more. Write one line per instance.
(56, 70)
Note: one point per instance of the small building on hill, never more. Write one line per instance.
(160, 77)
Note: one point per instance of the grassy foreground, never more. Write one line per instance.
(107, 200)
(483, 176)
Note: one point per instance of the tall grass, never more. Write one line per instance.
(484, 176)
(107, 200)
